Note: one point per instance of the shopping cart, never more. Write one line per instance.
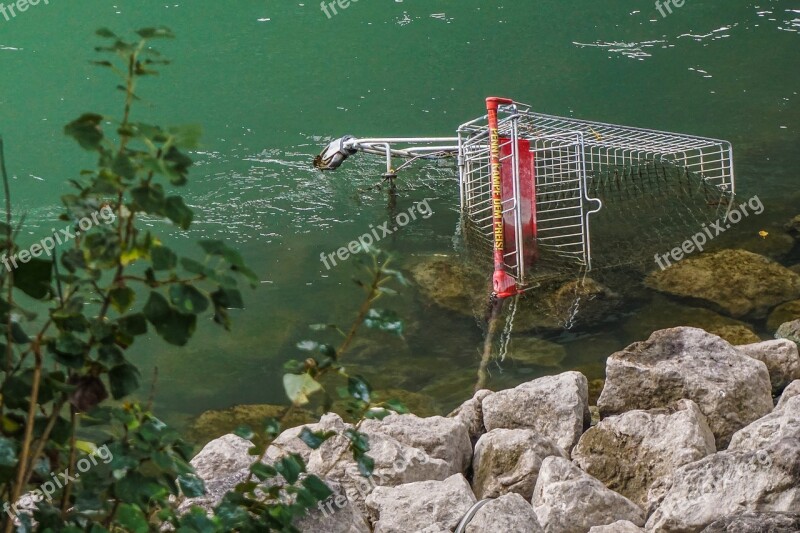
(531, 183)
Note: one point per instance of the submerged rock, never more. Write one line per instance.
(417, 506)
(554, 406)
(729, 482)
(737, 282)
(783, 313)
(568, 499)
(730, 388)
(451, 284)
(663, 313)
(632, 451)
(508, 461)
(536, 352)
(782, 359)
(510, 513)
(793, 226)
(789, 330)
(736, 335)
(215, 423)
(559, 305)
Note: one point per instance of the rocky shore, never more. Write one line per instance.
(690, 434)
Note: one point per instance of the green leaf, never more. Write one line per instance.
(178, 212)
(18, 335)
(149, 198)
(366, 464)
(315, 439)
(8, 452)
(106, 33)
(187, 298)
(395, 405)
(132, 518)
(299, 387)
(123, 166)
(33, 278)
(161, 32)
(262, 471)
(358, 388)
(86, 130)
(133, 325)
(172, 325)
(244, 432)
(290, 467)
(227, 298)
(122, 298)
(124, 379)
(191, 485)
(110, 356)
(163, 258)
(317, 487)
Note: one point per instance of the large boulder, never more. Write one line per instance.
(730, 388)
(556, 407)
(416, 506)
(782, 360)
(783, 423)
(470, 413)
(790, 331)
(620, 526)
(783, 313)
(335, 515)
(737, 282)
(568, 499)
(508, 461)
(756, 522)
(395, 462)
(510, 513)
(632, 451)
(729, 482)
(792, 390)
(441, 438)
(222, 464)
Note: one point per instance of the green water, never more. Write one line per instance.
(270, 80)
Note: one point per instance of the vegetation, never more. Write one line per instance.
(68, 324)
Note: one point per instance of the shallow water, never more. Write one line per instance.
(272, 81)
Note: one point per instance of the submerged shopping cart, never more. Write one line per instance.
(530, 185)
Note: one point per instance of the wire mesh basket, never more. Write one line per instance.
(557, 173)
(565, 195)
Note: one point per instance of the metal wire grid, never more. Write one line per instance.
(570, 155)
(561, 201)
(609, 144)
(562, 214)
